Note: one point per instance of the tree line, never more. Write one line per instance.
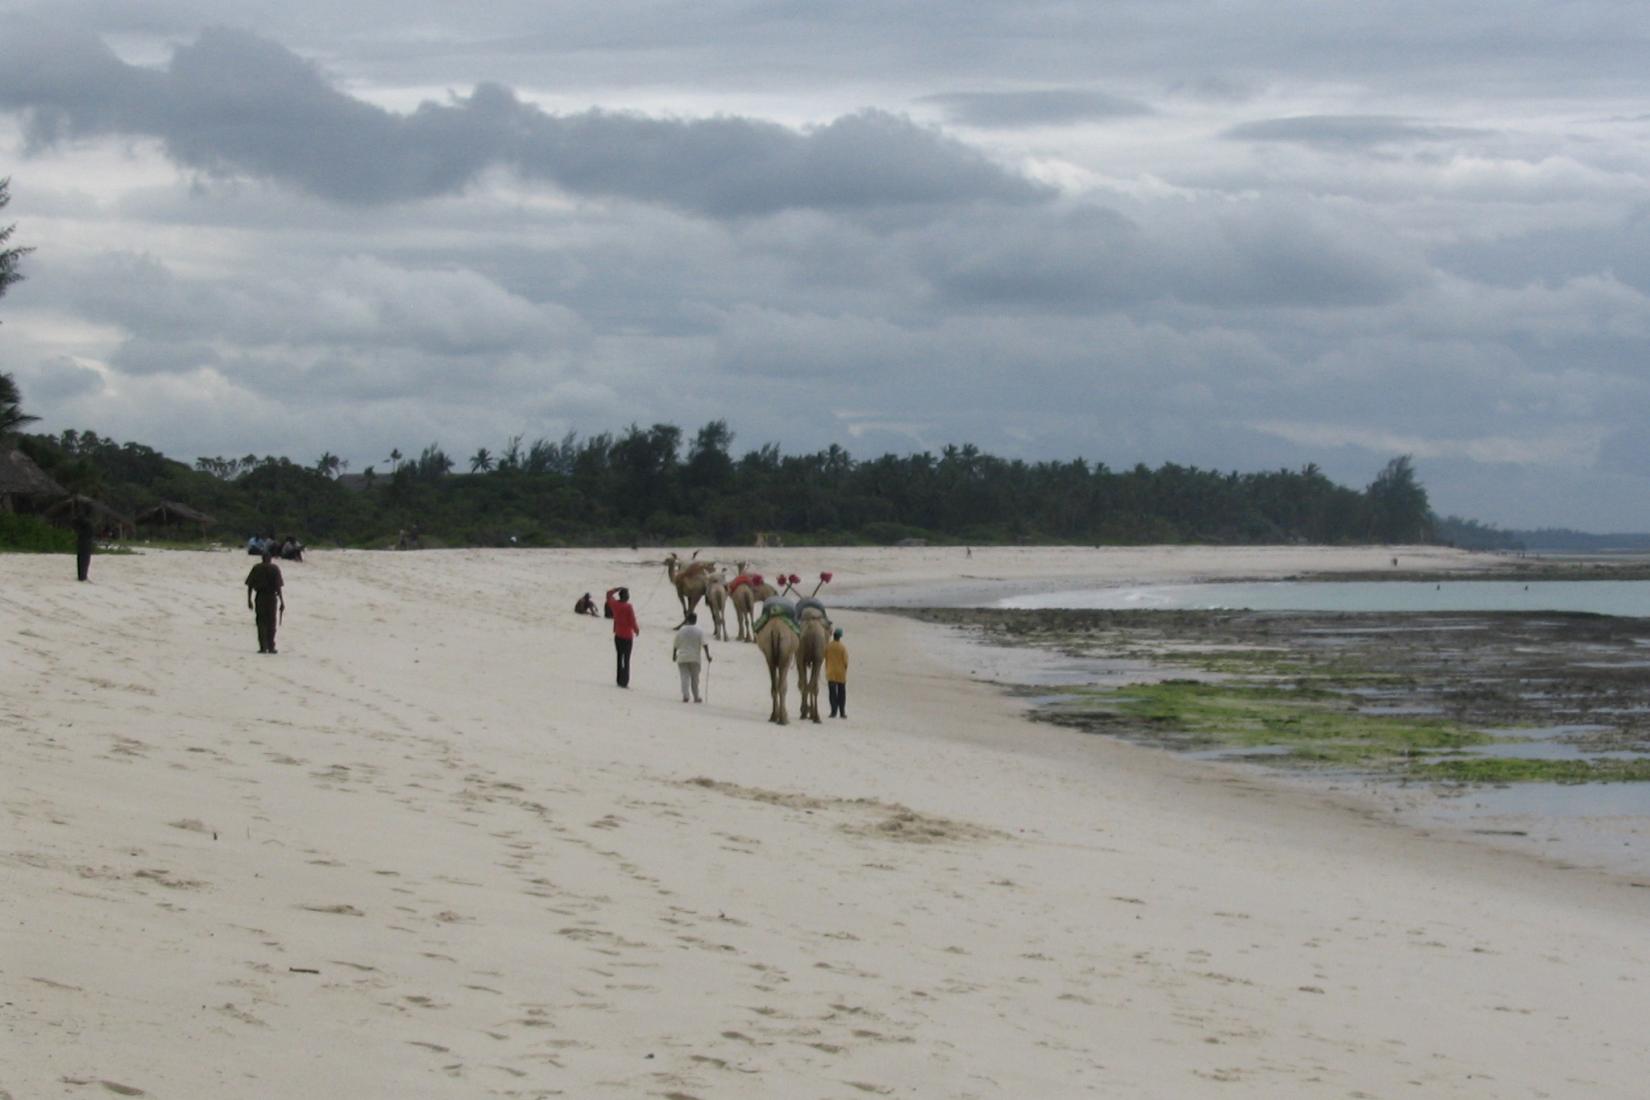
(655, 485)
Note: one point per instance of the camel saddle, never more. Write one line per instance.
(777, 609)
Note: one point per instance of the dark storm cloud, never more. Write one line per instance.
(1221, 255)
(1348, 131)
(233, 103)
(1551, 255)
(1046, 107)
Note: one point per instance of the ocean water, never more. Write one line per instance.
(1605, 826)
(1625, 598)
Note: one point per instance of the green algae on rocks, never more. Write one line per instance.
(1312, 725)
(1394, 693)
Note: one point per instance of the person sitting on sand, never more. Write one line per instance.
(585, 606)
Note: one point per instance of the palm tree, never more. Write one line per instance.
(482, 460)
(328, 464)
(9, 257)
(395, 459)
(12, 415)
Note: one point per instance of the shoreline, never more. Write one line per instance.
(434, 825)
(1587, 710)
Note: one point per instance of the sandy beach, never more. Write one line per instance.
(430, 850)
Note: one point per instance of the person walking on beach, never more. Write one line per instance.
(625, 629)
(685, 650)
(265, 598)
(836, 675)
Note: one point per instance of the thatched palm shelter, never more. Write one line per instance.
(101, 514)
(169, 513)
(24, 487)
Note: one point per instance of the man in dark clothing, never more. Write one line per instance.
(264, 597)
(586, 606)
(625, 629)
(84, 536)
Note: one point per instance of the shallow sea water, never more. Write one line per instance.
(1603, 825)
(1624, 598)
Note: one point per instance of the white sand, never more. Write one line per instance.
(514, 879)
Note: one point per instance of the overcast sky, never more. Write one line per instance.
(1228, 233)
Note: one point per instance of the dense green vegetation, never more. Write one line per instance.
(645, 485)
(33, 535)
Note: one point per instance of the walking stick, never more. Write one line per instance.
(708, 663)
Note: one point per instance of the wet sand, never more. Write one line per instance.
(430, 850)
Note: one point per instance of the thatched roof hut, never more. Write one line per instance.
(101, 514)
(24, 487)
(169, 513)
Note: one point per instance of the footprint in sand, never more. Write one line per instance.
(113, 1086)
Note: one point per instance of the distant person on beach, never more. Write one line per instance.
(625, 629)
(685, 651)
(85, 536)
(836, 675)
(585, 606)
(264, 597)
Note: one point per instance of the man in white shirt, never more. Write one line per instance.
(685, 651)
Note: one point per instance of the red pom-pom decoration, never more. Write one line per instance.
(825, 578)
(795, 579)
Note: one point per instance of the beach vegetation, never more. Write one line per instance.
(1398, 509)
(656, 483)
(33, 535)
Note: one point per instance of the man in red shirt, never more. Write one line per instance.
(625, 629)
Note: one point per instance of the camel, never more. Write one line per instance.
(745, 598)
(778, 642)
(810, 659)
(690, 580)
(716, 598)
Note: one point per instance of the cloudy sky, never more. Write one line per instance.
(1239, 234)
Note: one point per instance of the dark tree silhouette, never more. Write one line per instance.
(1398, 506)
(12, 415)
